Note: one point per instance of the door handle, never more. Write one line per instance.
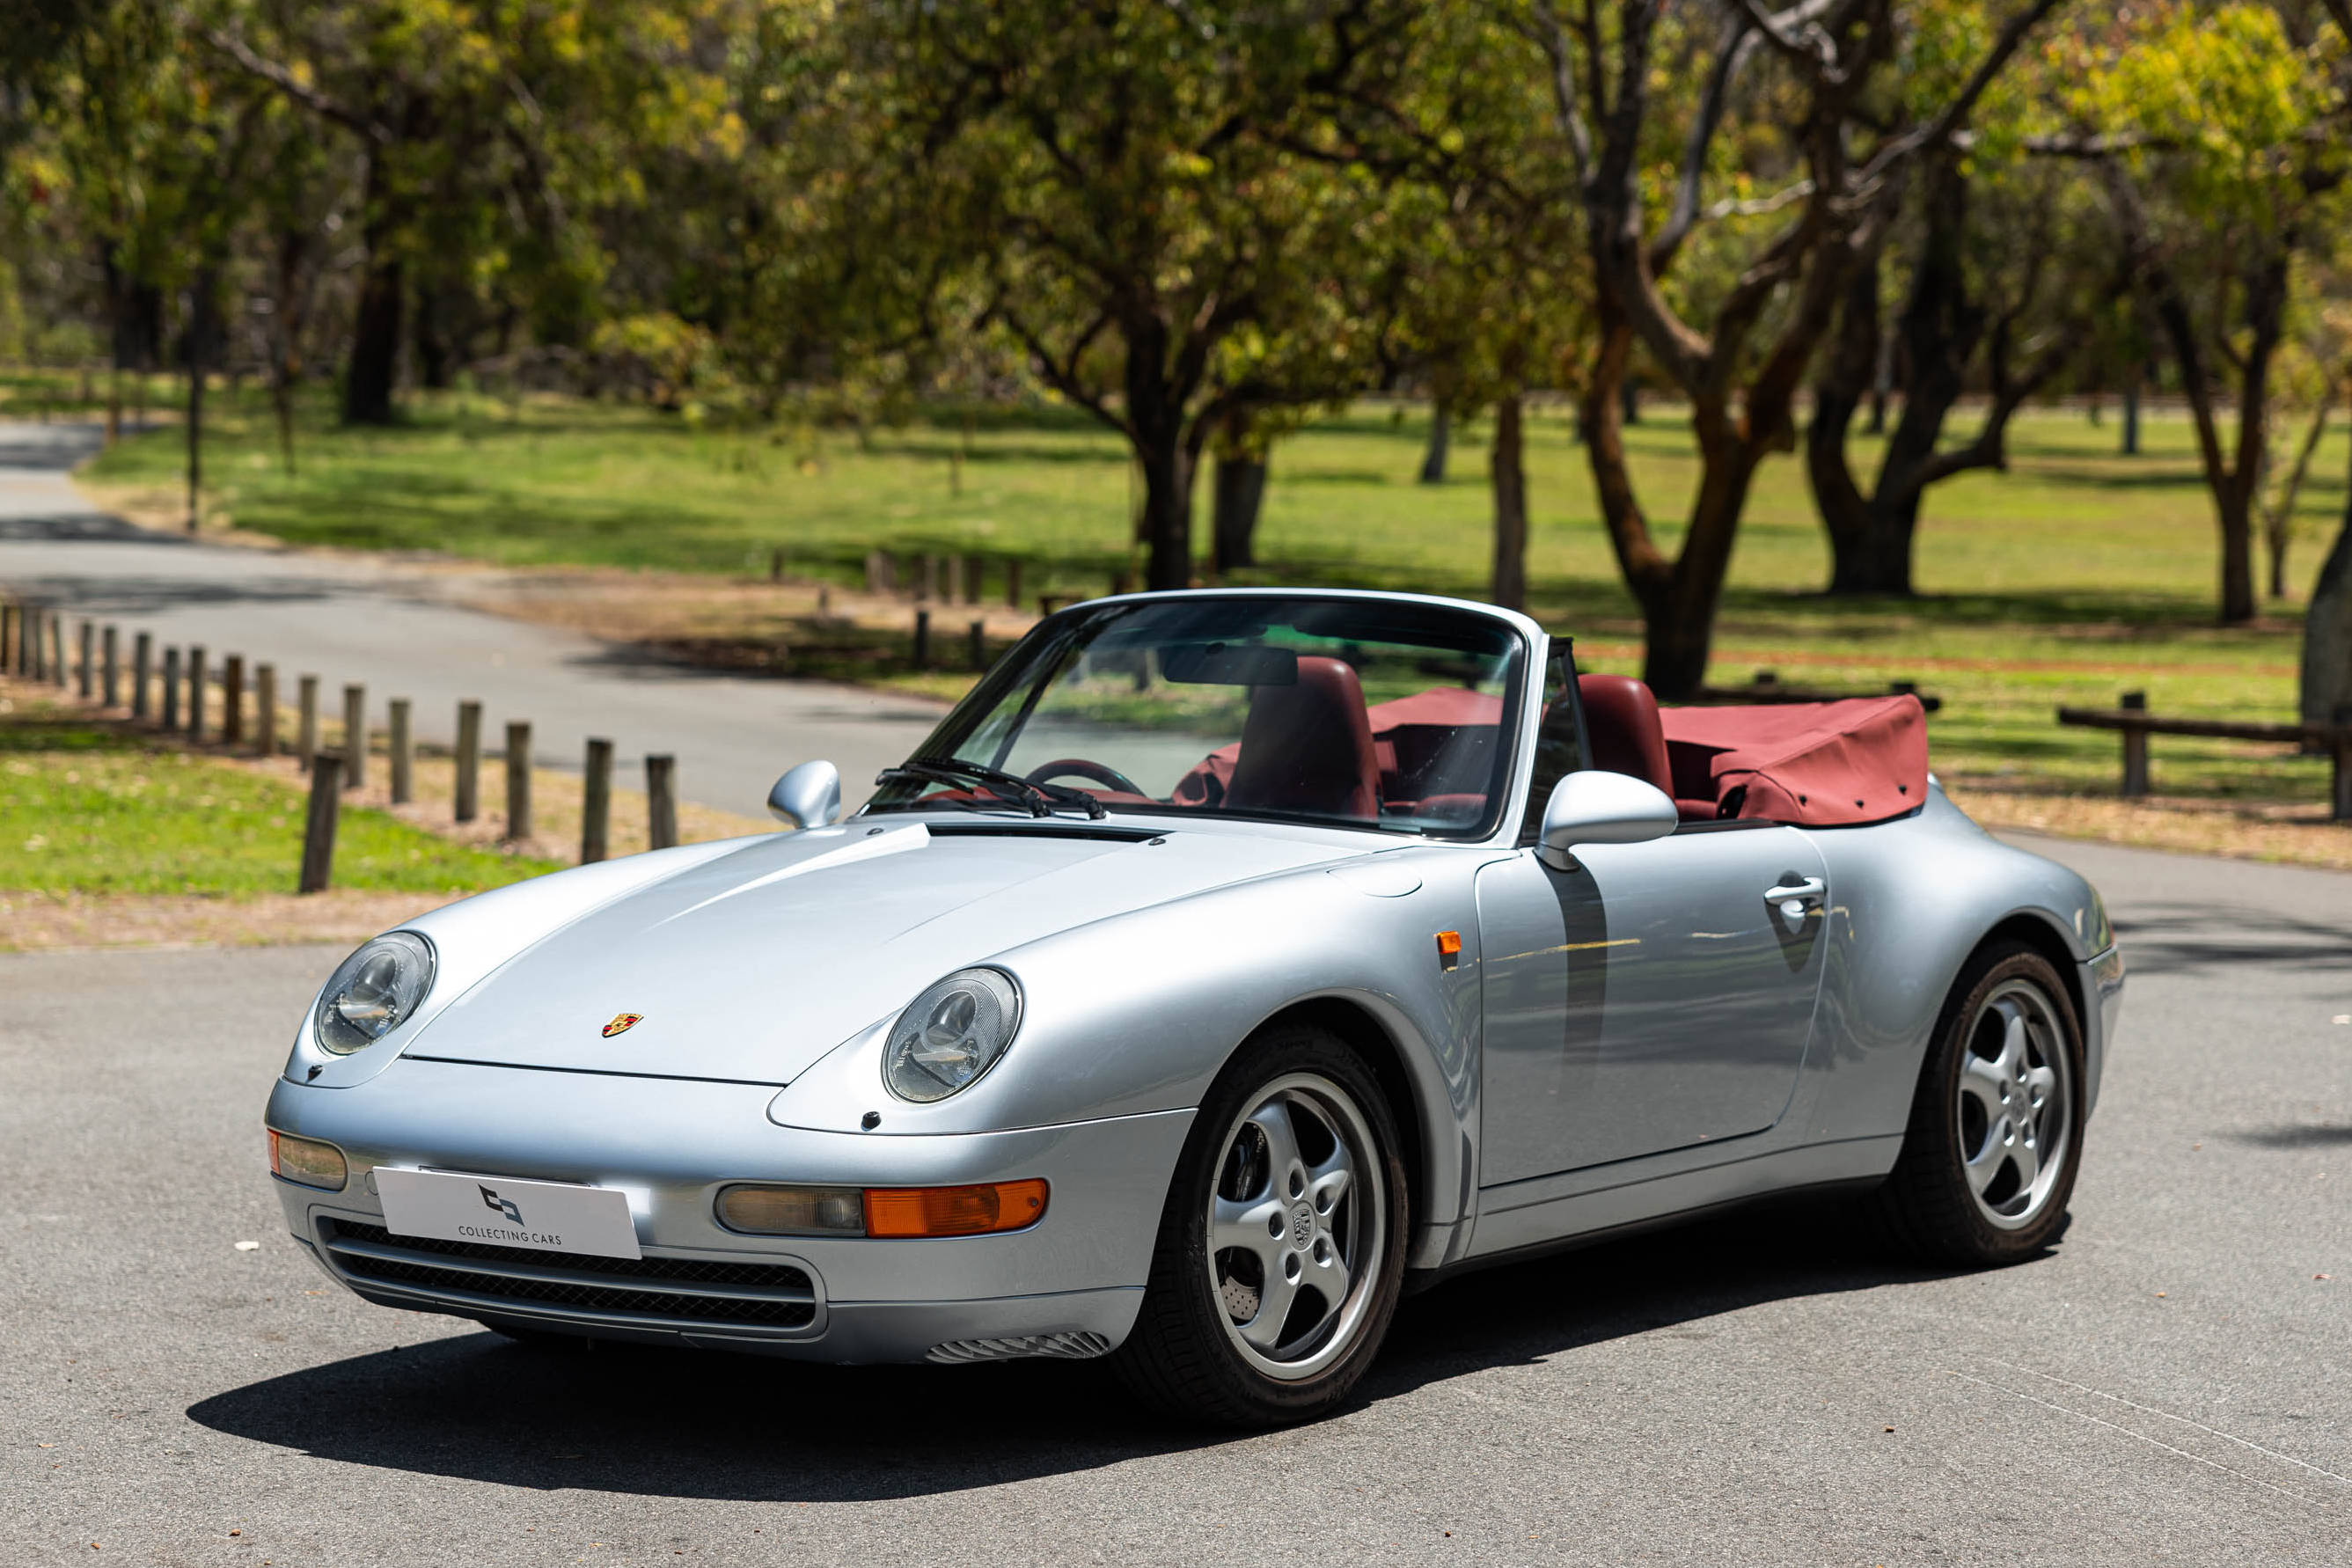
(1809, 889)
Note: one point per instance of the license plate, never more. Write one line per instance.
(494, 1211)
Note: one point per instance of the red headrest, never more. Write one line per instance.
(1622, 719)
(1308, 747)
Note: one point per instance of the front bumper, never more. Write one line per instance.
(2103, 984)
(1071, 1284)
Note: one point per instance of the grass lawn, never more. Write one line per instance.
(91, 809)
(2074, 576)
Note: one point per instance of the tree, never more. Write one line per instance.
(1136, 184)
(1995, 295)
(1840, 151)
(2225, 156)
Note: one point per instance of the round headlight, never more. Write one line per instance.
(951, 1033)
(375, 991)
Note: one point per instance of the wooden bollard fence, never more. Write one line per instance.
(319, 824)
(922, 654)
(467, 788)
(596, 803)
(265, 710)
(171, 689)
(196, 692)
(661, 801)
(971, 569)
(112, 644)
(56, 649)
(86, 675)
(8, 616)
(1012, 583)
(980, 645)
(232, 732)
(402, 746)
(518, 780)
(355, 746)
(305, 720)
(143, 661)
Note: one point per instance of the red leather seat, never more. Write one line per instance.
(1308, 747)
(1622, 719)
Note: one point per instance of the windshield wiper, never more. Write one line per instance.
(1037, 799)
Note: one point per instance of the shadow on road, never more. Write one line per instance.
(702, 1425)
(79, 528)
(2187, 939)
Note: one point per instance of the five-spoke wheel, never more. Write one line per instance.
(1280, 1253)
(1996, 1129)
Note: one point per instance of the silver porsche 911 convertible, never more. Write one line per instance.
(1225, 965)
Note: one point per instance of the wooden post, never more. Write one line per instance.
(86, 685)
(319, 825)
(306, 720)
(1768, 677)
(972, 565)
(58, 649)
(881, 573)
(2135, 748)
(143, 659)
(518, 780)
(930, 579)
(403, 748)
(28, 645)
(171, 689)
(980, 645)
(1048, 603)
(469, 803)
(111, 645)
(596, 804)
(661, 801)
(196, 692)
(265, 710)
(355, 746)
(233, 699)
(922, 639)
(1012, 583)
(7, 636)
(775, 567)
(2339, 756)
(1119, 583)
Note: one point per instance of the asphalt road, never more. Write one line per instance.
(363, 620)
(2172, 1384)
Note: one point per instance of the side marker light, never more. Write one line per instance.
(1449, 949)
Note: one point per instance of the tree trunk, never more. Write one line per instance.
(2328, 632)
(2278, 523)
(1509, 473)
(375, 345)
(1628, 400)
(200, 334)
(1441, 437)
(432, 341)
(1853, 357)
(2131, 415)
(1239, 484)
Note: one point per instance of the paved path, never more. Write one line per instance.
(2171, 1384)
(349, 620)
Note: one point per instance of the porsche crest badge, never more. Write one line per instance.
(622, 1022)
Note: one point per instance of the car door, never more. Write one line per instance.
(1655, 997)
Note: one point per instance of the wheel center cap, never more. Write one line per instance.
(1302, 1226)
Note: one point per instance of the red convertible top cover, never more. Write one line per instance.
(1820, 765)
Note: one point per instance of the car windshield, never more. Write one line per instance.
(1358, 712)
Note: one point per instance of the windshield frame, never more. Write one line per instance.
(1527, 653)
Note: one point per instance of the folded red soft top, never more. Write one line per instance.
(1820, 765)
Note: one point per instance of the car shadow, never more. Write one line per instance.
(685, 1424)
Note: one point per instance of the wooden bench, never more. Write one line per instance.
(2132, 718)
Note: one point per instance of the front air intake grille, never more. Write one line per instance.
(683, 1292)
(1079, 1345)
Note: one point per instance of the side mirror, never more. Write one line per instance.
(808, 797)
(1596, 806)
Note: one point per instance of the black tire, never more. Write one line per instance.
(1928, 1207)
(1183, 1356)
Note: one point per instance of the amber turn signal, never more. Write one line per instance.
(1449, 949)
(954, 1210)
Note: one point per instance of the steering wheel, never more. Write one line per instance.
(1079, 767)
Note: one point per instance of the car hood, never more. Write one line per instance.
(753, 966)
